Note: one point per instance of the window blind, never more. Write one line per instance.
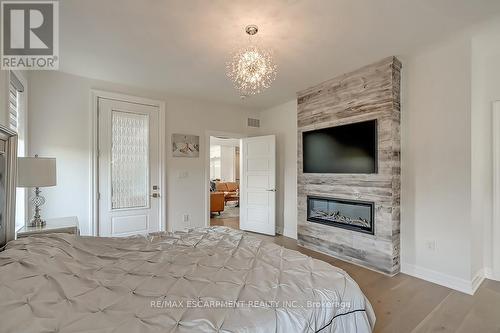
(16, 87)
(13, 108)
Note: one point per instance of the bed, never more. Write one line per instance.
(204, 280)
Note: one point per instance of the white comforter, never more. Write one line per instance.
(206, 280)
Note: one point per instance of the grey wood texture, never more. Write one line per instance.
(371, 92)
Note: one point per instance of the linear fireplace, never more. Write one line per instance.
(342, 213)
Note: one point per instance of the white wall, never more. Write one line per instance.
(282, 121)
(59, 126)
(436, 202)
(447, 156)
(435, 154)
(436, 159)
(485, 90)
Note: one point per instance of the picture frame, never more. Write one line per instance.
(185, 145)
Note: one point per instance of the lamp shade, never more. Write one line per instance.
(36, 172)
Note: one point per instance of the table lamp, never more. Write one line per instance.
(36, 172)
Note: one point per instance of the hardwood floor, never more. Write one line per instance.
(406, 304)
(232, 222)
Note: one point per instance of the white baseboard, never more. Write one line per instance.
(477, 280)
(489, 274)
(462, 285)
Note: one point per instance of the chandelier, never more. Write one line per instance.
(251, 68)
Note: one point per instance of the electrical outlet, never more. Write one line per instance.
(185, 217)
(430, 245)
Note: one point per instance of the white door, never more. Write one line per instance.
(129, 171)
(258, 184)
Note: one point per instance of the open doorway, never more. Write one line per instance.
(225, 181)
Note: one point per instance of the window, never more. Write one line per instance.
(224, 159)
(16, 102)
(17, 123)
(215, 151)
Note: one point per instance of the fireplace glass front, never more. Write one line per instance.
(347, 214)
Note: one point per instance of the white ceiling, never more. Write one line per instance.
(181, 46)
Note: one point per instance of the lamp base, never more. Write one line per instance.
(37, 200)
(36, 222)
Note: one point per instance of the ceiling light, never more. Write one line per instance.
(251, 68)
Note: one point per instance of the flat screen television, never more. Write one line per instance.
(348, 148)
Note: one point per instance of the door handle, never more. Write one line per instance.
(155, 195)
(272, 190)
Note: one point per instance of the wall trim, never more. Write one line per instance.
(94, 167)
(289, 232)
(466, 286)
(477, 280)
(489, 274)
(495, 227)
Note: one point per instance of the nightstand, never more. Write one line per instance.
(67, 225)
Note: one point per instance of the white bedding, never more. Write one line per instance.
(205, 280)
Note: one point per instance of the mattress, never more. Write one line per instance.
(204, 280)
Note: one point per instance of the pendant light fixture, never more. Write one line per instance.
(251, 68)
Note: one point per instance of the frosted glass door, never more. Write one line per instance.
(129, 169)
(129, 160)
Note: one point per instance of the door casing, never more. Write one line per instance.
(208, 134)
(493, 272)
(94, 167)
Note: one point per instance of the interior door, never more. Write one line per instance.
(258, 184)
(129, 171)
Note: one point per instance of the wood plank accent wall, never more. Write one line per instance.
(371, 92)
